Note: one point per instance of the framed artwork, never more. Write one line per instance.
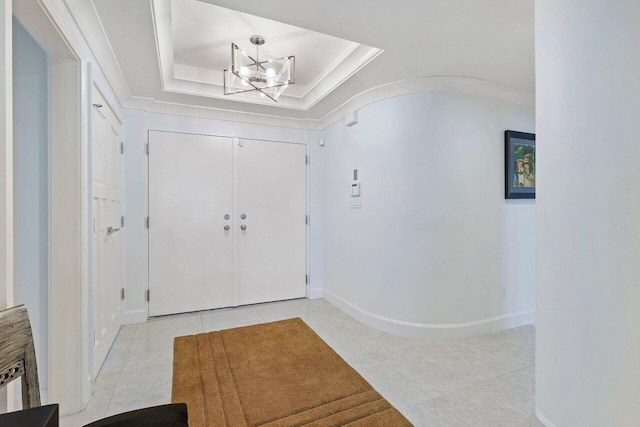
(519, 165)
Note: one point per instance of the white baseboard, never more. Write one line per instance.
(134, 316)
(431, 331)
(539, 420)
(315, 293)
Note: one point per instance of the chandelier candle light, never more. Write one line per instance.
(263, 74)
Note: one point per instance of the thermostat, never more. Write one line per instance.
(355, 189)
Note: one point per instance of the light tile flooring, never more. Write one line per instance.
(485, 381)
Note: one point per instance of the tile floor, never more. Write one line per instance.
(485, 381)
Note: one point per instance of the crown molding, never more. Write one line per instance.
(457, 84)
(155, 106)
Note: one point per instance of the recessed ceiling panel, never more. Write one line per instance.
(203, 33)
(194, 47)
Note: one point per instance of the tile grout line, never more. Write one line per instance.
(119, 374)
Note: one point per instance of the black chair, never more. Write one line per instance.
(172, 415)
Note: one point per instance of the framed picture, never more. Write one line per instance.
(519, 165)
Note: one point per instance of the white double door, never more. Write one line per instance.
(226, 222)
(106, 237)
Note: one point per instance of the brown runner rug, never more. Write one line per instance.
(273, 374)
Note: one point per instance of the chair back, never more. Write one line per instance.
(18, 355)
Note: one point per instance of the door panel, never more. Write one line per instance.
(190, 252)
(107, 248)
(270, 256)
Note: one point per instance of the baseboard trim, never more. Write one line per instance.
(134, 316)
(315, 293)
(431, 331)
(539, 420)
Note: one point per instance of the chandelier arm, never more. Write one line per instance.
(240, 91)
(256, 63)
(280, 85)
(267, 95)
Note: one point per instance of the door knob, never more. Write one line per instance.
(243, 227)
(111, 230)
(226, 227)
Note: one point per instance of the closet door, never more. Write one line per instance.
(106, 236)
(190, 239)
(269, 221)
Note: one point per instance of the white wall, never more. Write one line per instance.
(588, 213)
(31, 188)
(435, 241)
(136, 125)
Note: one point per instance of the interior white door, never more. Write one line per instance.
(270, 188)
(107, 237)
(190, 237)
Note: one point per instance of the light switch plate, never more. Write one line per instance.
(355, 203)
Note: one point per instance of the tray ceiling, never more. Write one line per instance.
(169, 62)
(194, 44)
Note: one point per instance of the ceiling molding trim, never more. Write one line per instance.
(161, 10)
(363, 55)
(460, 84)
(333, 65)
(155, 106)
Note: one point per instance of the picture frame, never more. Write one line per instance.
(519, 165)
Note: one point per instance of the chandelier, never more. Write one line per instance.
(261, 73)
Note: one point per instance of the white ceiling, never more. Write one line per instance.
(203, 33)
(491, 41)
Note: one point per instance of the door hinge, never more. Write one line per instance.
(306, 219)
(122, 293)
(147, 148)
(306, 279)
(148, 297)
(306, 159)
(121, 220)
(147, 222)
(121, 147)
